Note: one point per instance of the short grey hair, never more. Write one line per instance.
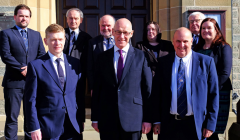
(75, 9)
(107, 15)
(197, 13)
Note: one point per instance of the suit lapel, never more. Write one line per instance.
(30, 36)
(16, 32)
(100, 44)
(67, 32)
(67, 69)
(110, 58)
(195, 67)
(48, 65)
(128, 62)
(168, 68)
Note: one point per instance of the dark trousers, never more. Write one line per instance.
(13, 98)
(68, 132)
(213, 137)
(150, 134)
(178, 129)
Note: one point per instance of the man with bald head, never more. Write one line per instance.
(185, 92)
(123, 79)
(98, 45)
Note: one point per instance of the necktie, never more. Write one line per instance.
(195, 41)
(181, 91)
(108, 45)
(120, 66)
(72, 40)
(60, 72)
(25, 39)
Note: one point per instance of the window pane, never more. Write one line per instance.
(217, 17)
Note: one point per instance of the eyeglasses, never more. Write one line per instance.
(196, 20)
(124, 33)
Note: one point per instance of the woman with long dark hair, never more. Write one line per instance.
(212, 43)
(154, 47)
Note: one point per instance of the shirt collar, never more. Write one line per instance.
(76, 31)
(111, 38)
(53, 57)
(184, 59)
(125, 49)
(20, 29)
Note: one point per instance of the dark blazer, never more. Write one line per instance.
(165, 47)
(222, 55)
(204, 90)
(95, 47)
(14, 54)
(79, 49)
(45, 100)
(127, 100)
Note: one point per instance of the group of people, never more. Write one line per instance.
(179, 90)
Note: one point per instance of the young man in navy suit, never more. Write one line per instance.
(185, 92)
(54, 93)
(120, 99)
(18, 46)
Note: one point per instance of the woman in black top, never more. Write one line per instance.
(154, 47)
(212, 43)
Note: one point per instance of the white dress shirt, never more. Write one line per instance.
(77, 31)
(53, 58)
(187, 62)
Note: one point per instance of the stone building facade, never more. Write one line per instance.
(170, 14)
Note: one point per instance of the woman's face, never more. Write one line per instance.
(208, 31)
(151, 32)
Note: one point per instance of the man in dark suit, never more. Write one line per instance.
(76, 40)
(98, 45)
(185, 92)
(195, 19)
(54, 94)
(18, 46)
(120, 99)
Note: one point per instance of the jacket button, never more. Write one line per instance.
(63, 107)
(64, 94)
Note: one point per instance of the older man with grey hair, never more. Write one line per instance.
(195, 19)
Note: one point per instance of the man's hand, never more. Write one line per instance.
(91, 92)
(156, 129)
(36, 135)
(24, 73)
(95, 126)
(146, 127)
(207, 133)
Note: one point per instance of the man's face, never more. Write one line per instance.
(55, 42)
(182, 42)
(74, 20)
(122, 33)
(106, 25)
(22, 18)
(195, 22)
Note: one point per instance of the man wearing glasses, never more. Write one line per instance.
(195, 19)
(123, 79)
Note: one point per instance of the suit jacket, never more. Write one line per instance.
(95, 47)
(46, 103)
(126, 100)
(204, 91)
(222, 55)
(79, 49)
(14, 54)
(165, 47)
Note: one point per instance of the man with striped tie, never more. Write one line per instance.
(18, 46)
(185, 92)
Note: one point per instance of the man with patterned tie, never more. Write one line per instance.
(98, 45)
(18, 46)
(120, 99)
(54, 94)
(185, 92)
(195, 19)
(76, 43)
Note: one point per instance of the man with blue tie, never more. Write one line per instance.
(185, 92)
(18, 46)
(120, 99)
(98, 45)
(195, 19)
(54, 94)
